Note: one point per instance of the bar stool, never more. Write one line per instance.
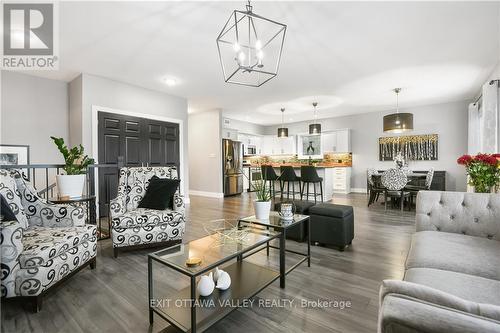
(288, 175)
(269, 175)
(309, 174)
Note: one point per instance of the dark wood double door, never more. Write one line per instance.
(132, 141)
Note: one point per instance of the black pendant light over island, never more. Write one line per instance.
(282, 131)
(398, 122)
(315, 128)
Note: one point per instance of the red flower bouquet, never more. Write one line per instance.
(483, 170)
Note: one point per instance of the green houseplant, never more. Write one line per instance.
(262, 203)
(75, 166)
(483, 171)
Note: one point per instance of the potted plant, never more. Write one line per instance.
(75, 166)
(483, 171)
(262, 204)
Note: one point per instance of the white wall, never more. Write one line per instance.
(103, 92)
(32, 110)
(205, 153)
(449, 121)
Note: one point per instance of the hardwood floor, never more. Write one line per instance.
(113, 297)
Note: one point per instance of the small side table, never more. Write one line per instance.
(89, 202)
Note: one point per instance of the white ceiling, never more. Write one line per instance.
(347, 56)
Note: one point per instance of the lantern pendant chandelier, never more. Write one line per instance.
(250, 48)
(282, 131)
(315, 128)
(398, 122)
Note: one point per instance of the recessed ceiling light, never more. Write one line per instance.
(170, 81)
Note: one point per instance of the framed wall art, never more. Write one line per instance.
(412, 147)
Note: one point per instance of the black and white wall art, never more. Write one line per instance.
(14, 154)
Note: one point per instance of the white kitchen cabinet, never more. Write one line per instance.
(229, 134)
(343, 141)
(342, 180)
(272, 145)
(336, 141)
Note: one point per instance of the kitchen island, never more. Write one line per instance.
(336, 176)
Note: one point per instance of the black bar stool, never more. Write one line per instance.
(269, 175)
(288, 175)
(309, 174)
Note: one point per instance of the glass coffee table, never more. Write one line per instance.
(276, 223)
(247, 279)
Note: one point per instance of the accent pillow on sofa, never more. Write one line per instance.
(6, 214)
(160, 193)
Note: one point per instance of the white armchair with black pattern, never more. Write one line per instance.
(44, 245)
(133, 226)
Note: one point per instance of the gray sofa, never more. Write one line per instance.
(452, 278)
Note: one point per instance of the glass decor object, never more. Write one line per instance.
(398, 122)
(315, 128)
(282, 131)
(250, 48)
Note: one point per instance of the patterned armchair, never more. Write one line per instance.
(130, 225)
(46, 244)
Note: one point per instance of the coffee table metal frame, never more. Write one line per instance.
(192, 294)
(281, 226)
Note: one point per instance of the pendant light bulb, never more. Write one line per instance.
(398, 122)
(315, 128)
(283, 131)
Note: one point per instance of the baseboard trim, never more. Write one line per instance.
(358, 190)
(206, 194)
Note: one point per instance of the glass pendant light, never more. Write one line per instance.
(315, 128)
(282, 131)
(398, 122)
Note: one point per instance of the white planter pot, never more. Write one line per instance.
(70, 185)
(262, 209)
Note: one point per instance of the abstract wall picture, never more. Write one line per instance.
(310, 146)
(412, 147)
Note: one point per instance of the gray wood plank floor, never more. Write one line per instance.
(113, 297)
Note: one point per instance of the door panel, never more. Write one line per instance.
(134, 141)
(133, 151)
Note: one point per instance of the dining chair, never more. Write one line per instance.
(374, 187)
(414, 189)
(394, 182)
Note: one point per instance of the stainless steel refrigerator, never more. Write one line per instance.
(232, 166)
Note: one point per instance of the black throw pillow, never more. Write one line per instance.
(6, 214)
(160, 193)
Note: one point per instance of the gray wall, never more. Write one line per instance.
(205, 152)
(449, 121)
(245, 127)
(99, 91)
(33, 109)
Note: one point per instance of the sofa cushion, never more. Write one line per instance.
(138, 181)
(8, 189)
(6, 214)
(328, 209)
(455, 252)
(469, 287)
(146, 216)
(42, 245)
(160, 193)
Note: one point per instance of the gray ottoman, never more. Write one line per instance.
(332, 224)
(298, 232)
